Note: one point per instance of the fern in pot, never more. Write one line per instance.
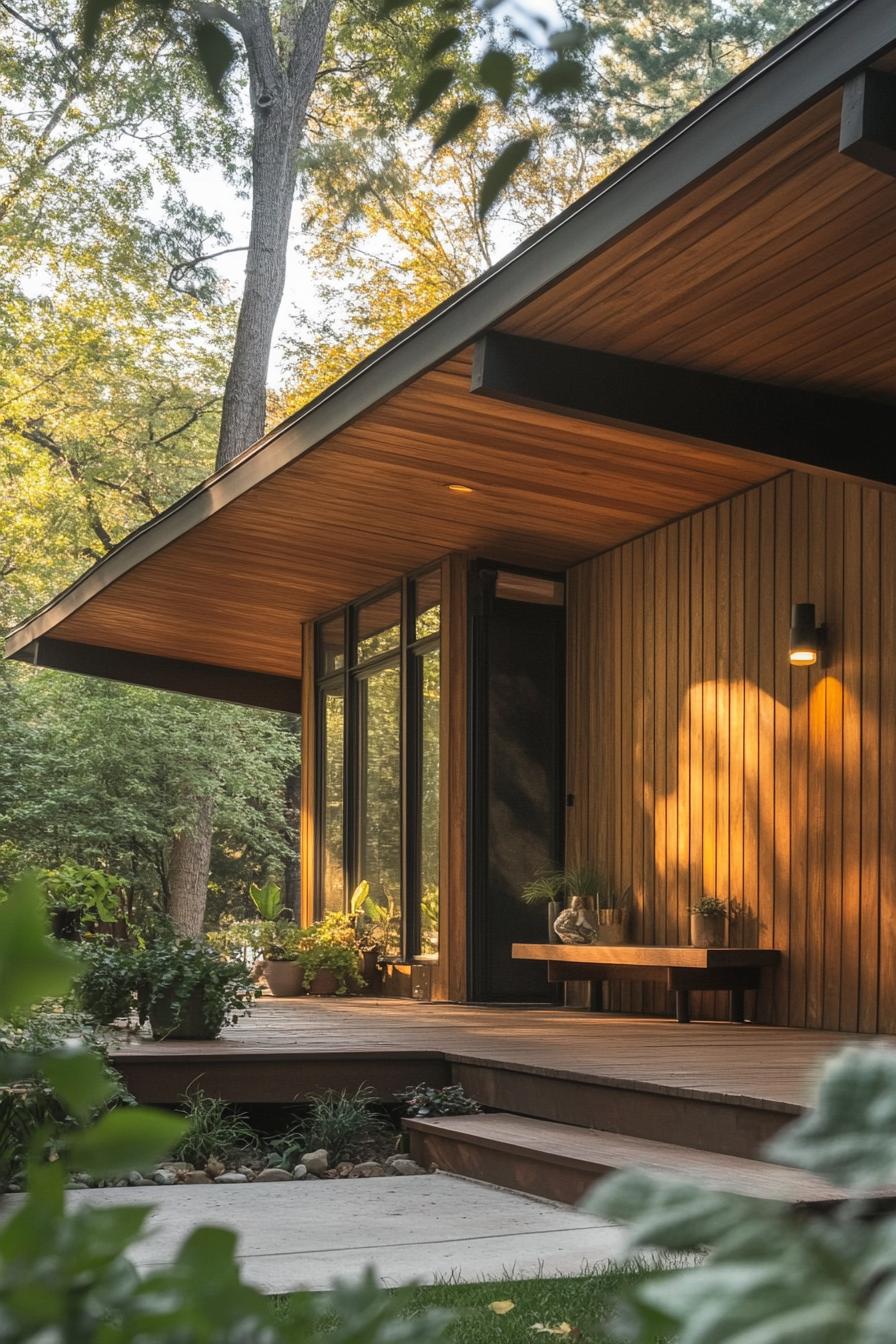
(547, 888)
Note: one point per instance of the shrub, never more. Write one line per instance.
(345, 1123)
(424, 1100)
(214, 1129)
(105, 988)
(171, 970)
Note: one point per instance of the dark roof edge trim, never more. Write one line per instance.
(819, 57)
(260, 690)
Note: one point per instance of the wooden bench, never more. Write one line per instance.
(680, 969)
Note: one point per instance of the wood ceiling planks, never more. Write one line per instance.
(779, 267)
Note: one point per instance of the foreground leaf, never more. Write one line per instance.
(79, 1076)
(125, 1140)
(512, 157)
(32, 965)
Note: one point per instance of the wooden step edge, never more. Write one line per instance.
(566, 1177)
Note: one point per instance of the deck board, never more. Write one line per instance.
(754, 1066)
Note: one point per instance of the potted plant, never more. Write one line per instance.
(547, 888)
(280, 965)
(187, 991)
(708, 922)
(368, 932)
(613, 912)
(79, 895)
(329, 967)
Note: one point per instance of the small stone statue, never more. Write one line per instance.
(577, 924)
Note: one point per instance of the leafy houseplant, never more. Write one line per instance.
(186, 990)
(708, 919)
(268, 900)
(77, 894)
(329, 968)
(546, 888)
(369, 936)
(280, 965)
(597, 913)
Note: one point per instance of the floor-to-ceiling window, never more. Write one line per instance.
(378, 760)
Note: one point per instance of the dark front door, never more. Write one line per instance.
(516, 779)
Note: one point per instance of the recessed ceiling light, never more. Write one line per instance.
(461, 489)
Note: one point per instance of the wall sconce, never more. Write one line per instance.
(805, 636)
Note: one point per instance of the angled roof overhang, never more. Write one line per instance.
(741, 243)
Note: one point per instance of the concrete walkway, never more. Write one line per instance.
(303, 1235)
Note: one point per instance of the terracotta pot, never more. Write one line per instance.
(372, 971)
(324, 982)
(186, 1025)
(66, 924)
(707, 930)
(284, 978)
(554, 908)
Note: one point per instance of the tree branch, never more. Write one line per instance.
(182, 268)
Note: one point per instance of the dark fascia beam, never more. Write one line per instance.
(868, 120)
(262, 690)
(785, 426)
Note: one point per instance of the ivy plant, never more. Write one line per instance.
(171, 972)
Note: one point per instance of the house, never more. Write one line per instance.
(528, 570)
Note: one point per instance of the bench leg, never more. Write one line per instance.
(596, 996)
(737, 1005)
(682, 1005)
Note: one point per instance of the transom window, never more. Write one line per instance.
(378, 711)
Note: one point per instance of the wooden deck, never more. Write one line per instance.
(288, 1041)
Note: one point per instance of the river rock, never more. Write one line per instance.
(364, 1170)
(196, 1178)
(300, 1172)
(343, 1169)
(316, 1163)
(214, 1167)
(273, 1174)
(404, 1166)
(176, 1166)
(164, 1176)
(232, 1178)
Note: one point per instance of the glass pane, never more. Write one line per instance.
(379, 813)
(333, 799)
(379, 626)
(427, 597)
(428, 819)
(331, 645)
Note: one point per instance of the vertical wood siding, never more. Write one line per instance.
(700, 762)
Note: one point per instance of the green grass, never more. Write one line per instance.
(584, 1302)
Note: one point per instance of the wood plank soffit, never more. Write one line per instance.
(788, 427)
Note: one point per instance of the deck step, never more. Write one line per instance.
(562, 1162)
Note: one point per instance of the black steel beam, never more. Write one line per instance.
(786, 426)
(868, 120)
(263, 690)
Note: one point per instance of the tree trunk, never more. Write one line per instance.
(279, 94)
(188, 866)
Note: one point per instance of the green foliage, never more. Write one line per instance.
(106, 986)
(772, 1273)
(422, 1100)
(31, 966)
(268, 900)
(214, 1129)
(171, 972)
(346, 1124)
(53, 1077)
(340, 961)
(709, 906)
(583, 881)
(66, 1276)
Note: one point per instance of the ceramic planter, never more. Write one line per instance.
(324, 982)
(707, 930)
(372, 970)
(188, 1024)
(284, 978)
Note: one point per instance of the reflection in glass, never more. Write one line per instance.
(379, 626)
(428, 818)
(379, 813)
(427, 598)
(333, 798)
(331, 645)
